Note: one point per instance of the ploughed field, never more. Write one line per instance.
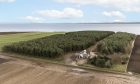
(19, 71)
(5, 33)
(134, 63)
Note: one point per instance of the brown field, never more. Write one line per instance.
(5, 33)
(19, 71)
(134, 63)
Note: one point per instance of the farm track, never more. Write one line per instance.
(134, 63)
(19, 71)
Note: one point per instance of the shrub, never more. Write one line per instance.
(101, 61)
(124, 59)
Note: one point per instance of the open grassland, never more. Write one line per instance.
(7, 38)
(19, 71)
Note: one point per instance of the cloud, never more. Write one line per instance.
(7, 1)
(125, 5)
(117, 20)
(33, 19)
(65, 13)
(41, 16)
(117, 14)
(121, 2)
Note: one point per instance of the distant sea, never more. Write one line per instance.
(66, 27)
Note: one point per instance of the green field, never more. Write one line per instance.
(11, 38)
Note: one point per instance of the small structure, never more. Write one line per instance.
(82, 54)
(82, 57)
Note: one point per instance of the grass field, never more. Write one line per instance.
(11, 38)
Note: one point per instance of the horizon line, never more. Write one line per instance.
(81, 23)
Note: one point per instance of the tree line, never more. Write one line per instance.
(116, 43)
(57, 45)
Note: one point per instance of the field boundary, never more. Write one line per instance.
(134, 61)
(33, 59)
(131, 53)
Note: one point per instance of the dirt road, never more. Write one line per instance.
(19, 71)
(134, 63)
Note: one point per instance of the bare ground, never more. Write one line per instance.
(19, 71)
(5, 33)
(134, 62)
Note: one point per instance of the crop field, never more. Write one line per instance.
(19, 71)
(8, 38)
(134, 62)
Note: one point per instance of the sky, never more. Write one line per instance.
(69, 11)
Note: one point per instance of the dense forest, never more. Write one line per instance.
(116, 43)
(57, 45)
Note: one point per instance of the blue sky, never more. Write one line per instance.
(69, 11)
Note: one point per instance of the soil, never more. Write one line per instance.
(21, 71)
(5, 33)
(3, 60)
(134, 63)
